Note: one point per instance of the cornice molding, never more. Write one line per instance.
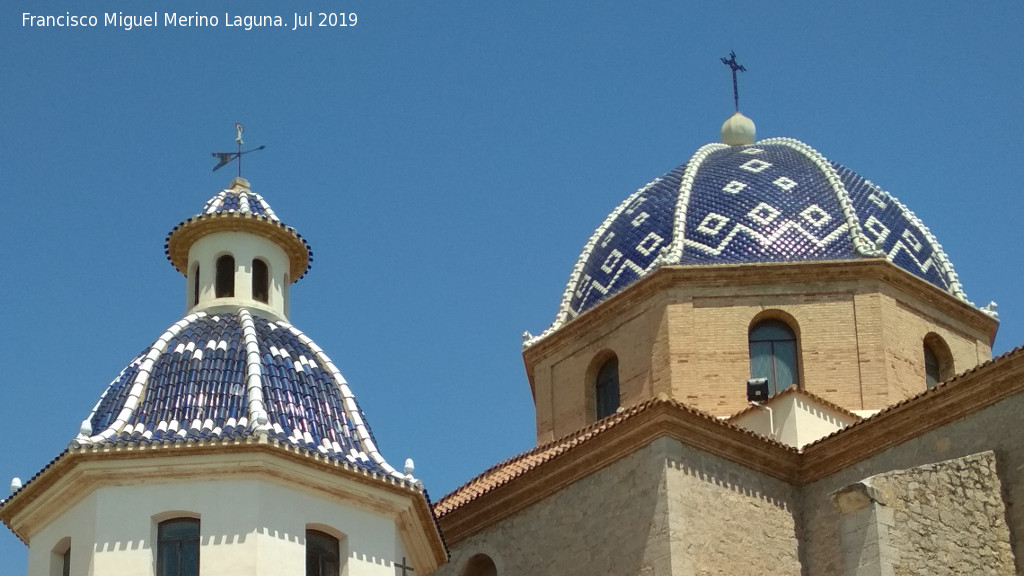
(494, 495)
(751, 279)
(944, 404)
(79, 471)
(181, 239)
(605, 443)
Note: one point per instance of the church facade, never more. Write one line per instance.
(889, 442)
(762, 363)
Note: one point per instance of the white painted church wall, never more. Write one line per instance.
(793, 420)
(248, 527)
(244, 247)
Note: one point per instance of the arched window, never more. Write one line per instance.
(932, 375)
(773, 355)
(606, 388)
(195, 285)
(322, 555)
(60, 558)
(225, 282)
(938, 360)
(177, 548)
(260, 281)
(480, 565)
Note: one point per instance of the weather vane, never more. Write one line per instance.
(226, 157)
(736, 67)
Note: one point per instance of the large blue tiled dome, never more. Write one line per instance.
(777, 200)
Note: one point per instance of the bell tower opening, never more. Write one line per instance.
(225, 281)
(260, 281)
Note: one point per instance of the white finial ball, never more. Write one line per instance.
(15, 484)
(738, 130)
(410, 467)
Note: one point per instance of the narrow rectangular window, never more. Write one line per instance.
(322, 554)
(260, 281)
(178, 547)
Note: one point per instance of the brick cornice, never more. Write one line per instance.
(494, 496)
(740, 279)
(605, 443)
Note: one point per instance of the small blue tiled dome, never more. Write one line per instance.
(777, 200)
(235, 376)
(239, 208)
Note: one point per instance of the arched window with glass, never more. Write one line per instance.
(773, 355)
(938, 360)
(178, 547)
(322, 554)
(606, 388)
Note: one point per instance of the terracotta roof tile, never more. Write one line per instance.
(504, 472)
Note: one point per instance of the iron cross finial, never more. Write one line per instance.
(736, 67)
(224, 158)
(405, 568)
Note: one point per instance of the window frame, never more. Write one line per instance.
(60, 558)
(783, 350)
(260, 284)
(224, 276)
(313, 554)
(164, 542)
(196, 286)
(941, 368)
(607, 387)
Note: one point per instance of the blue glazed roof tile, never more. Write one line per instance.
(196, 383)
(778, 200)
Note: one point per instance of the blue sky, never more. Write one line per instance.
(447, 161)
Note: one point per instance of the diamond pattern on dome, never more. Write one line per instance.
(776, 201)
(235, 376)
(734, 187)
(767, 218)
(898, 233)
(628, 244)
(712, 224)
(755, 166)
(763, 214)
(784, 183)
(815, 216)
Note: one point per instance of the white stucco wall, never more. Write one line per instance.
(244, 247)
(248, 526)
(793, 420)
